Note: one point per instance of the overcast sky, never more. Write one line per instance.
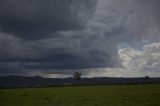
(99, 38)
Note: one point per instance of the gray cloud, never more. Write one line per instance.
(35, 19)
(39, 36)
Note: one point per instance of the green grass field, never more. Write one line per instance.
(118, 95)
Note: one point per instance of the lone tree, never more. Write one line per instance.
(146, 78)
(77, 75)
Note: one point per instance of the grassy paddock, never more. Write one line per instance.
(120, 95)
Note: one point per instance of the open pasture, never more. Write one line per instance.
(115, 95)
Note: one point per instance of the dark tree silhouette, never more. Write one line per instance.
(77, 75)
(146, 78)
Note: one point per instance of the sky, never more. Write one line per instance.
(99, 38)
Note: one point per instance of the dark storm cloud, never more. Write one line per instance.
(37, 56)
(60, 35)
(35, 19)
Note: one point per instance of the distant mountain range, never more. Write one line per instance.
(37, 81)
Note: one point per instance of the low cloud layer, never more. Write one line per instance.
(96, 37)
